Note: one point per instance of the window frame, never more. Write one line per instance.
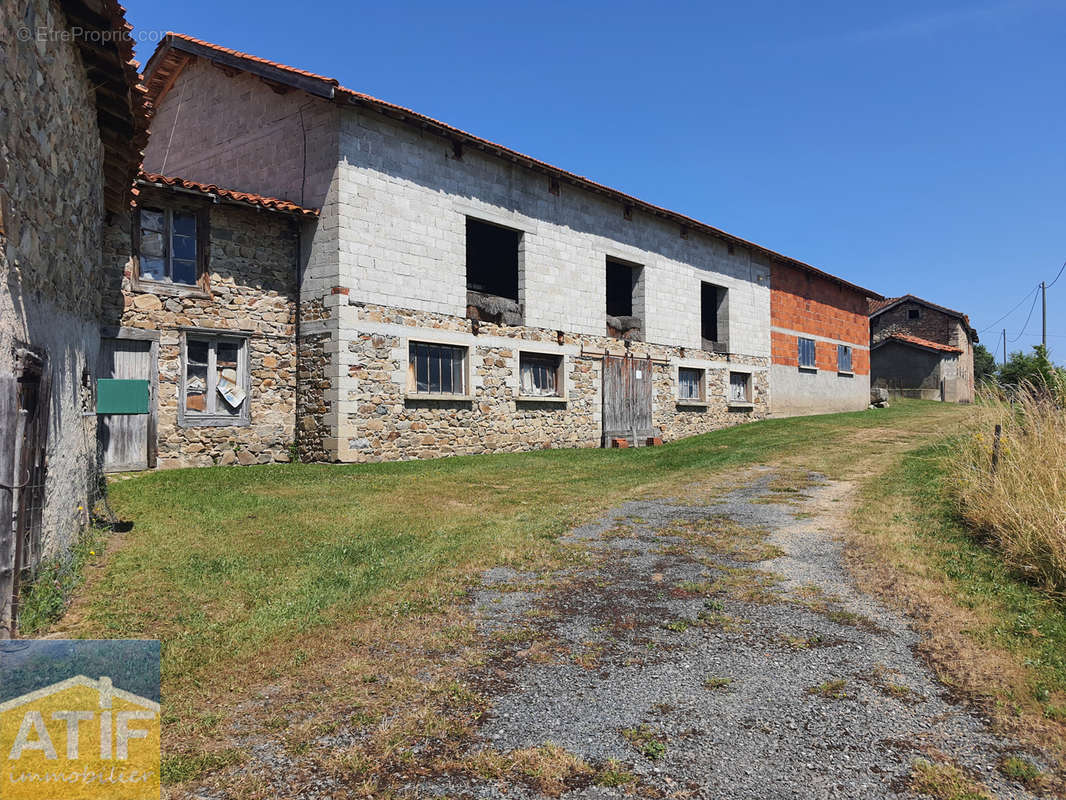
(749, 389)
(412, 372)
(701, 400)
(813, 365)
(560, 377)
(841, 350)
(200, 287)
(213, 419)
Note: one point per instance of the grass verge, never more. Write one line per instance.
(994, 638)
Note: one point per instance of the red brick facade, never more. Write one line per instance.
(806, 303)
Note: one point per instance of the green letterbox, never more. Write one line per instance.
(117, 396)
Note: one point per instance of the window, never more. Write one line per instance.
(437, 368)
(843, 358)
(914, 313)
(168, 246)
(807, 353)
(492, 259)
(714, 317)
(541, 375)
(689, 384)
(739, 387)
(214, 381)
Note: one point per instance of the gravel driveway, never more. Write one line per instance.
(716, 651)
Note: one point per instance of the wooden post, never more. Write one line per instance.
(995, 448)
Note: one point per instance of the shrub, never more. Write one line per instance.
(1016, 496)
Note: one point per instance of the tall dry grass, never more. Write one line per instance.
(1019, 503)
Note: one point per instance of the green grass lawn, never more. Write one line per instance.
(325, 576)
(222, 563)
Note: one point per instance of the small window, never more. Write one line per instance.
(739, 387)
(914, 313)
(806, 353)
(541, 375)
(843, 358)
(168, 247)
(492, 259)
(214, 381)
(437, 368)
(689, 384)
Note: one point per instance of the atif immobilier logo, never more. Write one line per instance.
(79, 720)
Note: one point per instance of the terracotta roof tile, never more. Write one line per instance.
(908, 339)
(271, 203)
(340, 93)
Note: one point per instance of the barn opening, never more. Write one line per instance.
(624, 318)
(714, 319)
(492, 264)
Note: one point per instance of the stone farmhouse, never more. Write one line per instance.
(73, 123)
(920, 349)
(455, 296)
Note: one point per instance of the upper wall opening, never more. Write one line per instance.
(625, 300)
(493, 261)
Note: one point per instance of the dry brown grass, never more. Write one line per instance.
(943, 780)
(1019, 503)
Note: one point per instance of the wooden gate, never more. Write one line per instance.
(25, 417)
(628, 383)
(127, 440)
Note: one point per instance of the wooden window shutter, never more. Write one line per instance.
(203, 248)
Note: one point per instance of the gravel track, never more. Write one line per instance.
(635, 635)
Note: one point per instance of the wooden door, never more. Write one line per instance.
(628, 384)
(127, 441)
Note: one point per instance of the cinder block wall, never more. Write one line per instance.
(403, 199)
(807, 305)
(235, 132)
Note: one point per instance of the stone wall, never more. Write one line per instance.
(51, 215)
(252, 279)
(379, 419)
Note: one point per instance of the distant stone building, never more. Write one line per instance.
(820, 343)
(920, 349)
(72, 127)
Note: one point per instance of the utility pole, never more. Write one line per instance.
(1043, 309)
(1004, 347)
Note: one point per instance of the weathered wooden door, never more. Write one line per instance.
(127, 440)
(627, 398)
(25, 417)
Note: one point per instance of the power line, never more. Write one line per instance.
(1026, 325)
(1020, 302)
(1061, 269)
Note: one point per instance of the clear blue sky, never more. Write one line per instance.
(917, 147)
